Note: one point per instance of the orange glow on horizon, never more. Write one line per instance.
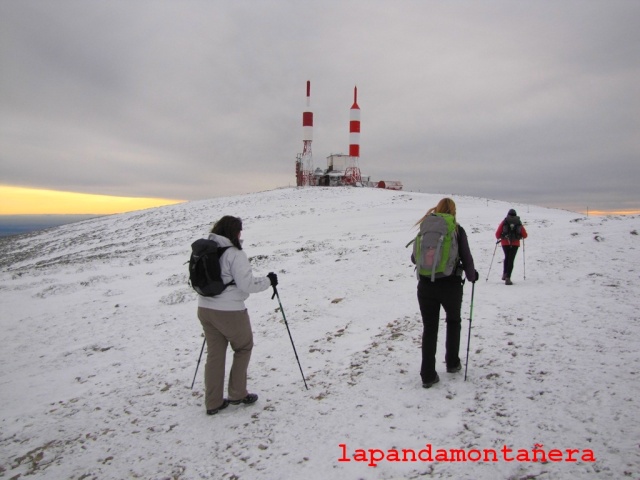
(599, 213)
(32, 201)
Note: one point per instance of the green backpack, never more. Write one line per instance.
(435, 248)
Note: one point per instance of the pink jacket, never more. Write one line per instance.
(505, 242)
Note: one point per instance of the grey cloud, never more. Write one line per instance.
(194, 99)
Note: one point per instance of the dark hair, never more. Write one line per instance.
(229, 227)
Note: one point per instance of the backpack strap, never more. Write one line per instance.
(221, 250)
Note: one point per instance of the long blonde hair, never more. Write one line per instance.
(446, 205)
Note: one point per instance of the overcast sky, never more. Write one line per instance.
(523, 101)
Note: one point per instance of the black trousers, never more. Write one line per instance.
(510, 252)
(445, 293)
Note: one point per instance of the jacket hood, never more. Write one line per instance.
(220, 240)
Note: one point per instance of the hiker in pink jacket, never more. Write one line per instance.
(510, 232)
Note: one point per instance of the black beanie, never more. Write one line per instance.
(512, 212)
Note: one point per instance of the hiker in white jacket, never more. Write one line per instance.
(225, 319)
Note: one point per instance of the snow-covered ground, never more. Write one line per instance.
(100, 343)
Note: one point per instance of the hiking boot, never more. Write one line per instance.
(508, 281)
(432, 382)
(455, 368)
(249, 399)
(213, 411)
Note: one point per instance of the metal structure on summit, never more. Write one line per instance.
(342, 170)
(304, 162)
(352, 172)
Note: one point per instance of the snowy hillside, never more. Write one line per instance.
(100, 342)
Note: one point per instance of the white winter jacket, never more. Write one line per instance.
(234, 266)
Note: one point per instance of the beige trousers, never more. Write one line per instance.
(222, 328)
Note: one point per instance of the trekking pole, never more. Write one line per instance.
(494, 254)
(275, 294)
(524, 261)
(194, 375)
(473, 288)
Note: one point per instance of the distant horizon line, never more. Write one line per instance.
(595, 213)
(22, 201)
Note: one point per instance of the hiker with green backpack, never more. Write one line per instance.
(441, 254)
(509, 233)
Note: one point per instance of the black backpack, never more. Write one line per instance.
(204, 268)
(512, 228)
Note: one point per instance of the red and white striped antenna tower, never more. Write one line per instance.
(352, 173)
(354, 126)
(304, 163)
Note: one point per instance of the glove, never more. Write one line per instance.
(477, 277)
(274, 279)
